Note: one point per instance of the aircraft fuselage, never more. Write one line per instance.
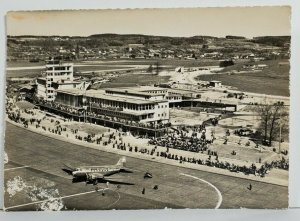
(105, 171)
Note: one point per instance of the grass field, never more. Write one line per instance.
(106, 64)
(37, 72)
(24, 105)
(98, 68)
(23, 73)
(169, 62)
(90, 129)
(11, 64)
(130, 80)
(114, 62)
(273, 80)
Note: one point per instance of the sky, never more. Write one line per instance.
(182, 22)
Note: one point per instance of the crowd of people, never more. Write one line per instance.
(180, 139)
(279, 164)
(60, 107)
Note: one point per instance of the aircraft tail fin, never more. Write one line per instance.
(121, 162)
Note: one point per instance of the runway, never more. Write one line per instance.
(35, 161)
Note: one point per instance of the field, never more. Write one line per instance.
(23, 73)
(24, 105)
(37, 72)
(11, 64)
(96, 68)
(100, 65)
(274, 80)
(171, 62)
(129, 80)
(258, 82)
(86, 128)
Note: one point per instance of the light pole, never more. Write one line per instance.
(280, 133)
(84, 107)
(279, 147)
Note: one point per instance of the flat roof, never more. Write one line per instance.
(66, 82)
(102, 95)
(182, 92)
(98, 94)
(151, 88)
(132, 91)
(73, 91)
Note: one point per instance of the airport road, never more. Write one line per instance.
(38, 160)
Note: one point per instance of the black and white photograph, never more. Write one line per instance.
(128, 109)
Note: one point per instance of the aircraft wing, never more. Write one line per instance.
(68, 169)
(110, 179)
(116, 180)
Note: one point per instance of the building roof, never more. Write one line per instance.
(131, 91)
(179, 91)
(98, 94)
(151, 88)
(73, 91)
(67, 82)
(102, 95)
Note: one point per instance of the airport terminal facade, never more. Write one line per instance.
(145, 105)
(102, 102)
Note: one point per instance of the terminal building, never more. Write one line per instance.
(145, 104)
(132, 106)
(57, 75)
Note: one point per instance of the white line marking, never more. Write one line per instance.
(119, 196)
(217, 190)
(15, 168)
(63, 197)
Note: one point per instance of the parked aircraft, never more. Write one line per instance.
(95, 174)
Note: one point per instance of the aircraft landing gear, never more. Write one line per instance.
(95, 182)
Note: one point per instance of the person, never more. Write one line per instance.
(250, 187)
(143, 191)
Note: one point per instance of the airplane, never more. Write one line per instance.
(95, 174)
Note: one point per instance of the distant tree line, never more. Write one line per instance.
(278, 41)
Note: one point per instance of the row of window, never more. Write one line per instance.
(162, 106)
(147, 116)
(173, 98)
(58, 68)
(58, 74)
(156, 92)
(163, 115)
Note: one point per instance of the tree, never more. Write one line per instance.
(278, 121)
(273, 118)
